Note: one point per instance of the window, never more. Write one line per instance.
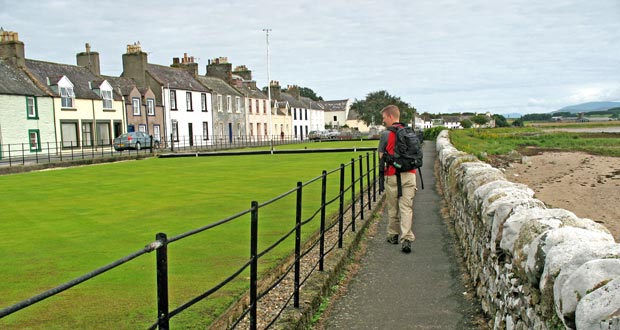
(188, 100)
(306, 114)
(150, 107)
(135, 104)
(69, 135)
(205, 130)
(175, 130)
(106, 95)
(250, 105)
(87, 134)
(173, 100)
(238, 102)
(157, 132)
(257, 128)
(229, 103)
(294, 114)
(31, 108)
(336, 118)
(220, 107)
(251, 130)
(34, 139)
(203, 102)
(257, 107)
(264, 106)
(239, 129)
(103, 134)
(142, 128)
(266, 128)
(66, 97)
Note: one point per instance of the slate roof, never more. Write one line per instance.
(79, 76)
(293, 102)
(337, 105)
(218, 86)
(175, 78)
(125, 84)
(14, 81)
(252, 93)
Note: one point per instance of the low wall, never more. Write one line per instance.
(533, 267)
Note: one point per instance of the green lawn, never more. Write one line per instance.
(497, 141)
(60, 224)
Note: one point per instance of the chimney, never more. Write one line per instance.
(135, 63)
(220, 68)
(251, 84)
(275, 89)
(90, 60)
(11, 49)
(293, 90)
(243, 72)
(187, 63)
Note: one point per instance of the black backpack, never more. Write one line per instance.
(407, 150)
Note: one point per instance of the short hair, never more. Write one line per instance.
(391, 110)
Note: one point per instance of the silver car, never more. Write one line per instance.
(135, 141)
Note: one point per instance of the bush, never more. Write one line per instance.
(431, 133)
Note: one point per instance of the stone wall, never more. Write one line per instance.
(533, 267)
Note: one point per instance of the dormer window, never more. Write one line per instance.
(106, 95)
(67, 95)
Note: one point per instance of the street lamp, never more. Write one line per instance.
(268, 84)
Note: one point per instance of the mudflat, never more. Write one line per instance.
(584, 184)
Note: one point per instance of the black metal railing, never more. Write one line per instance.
(21, 154)
(337, 214)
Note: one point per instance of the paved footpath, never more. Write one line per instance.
(419, 290)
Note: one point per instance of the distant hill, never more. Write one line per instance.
(589, 107)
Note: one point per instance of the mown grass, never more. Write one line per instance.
(60, 224)
(498, 141)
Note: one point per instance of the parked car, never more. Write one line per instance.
(317, 135)
(135, 141)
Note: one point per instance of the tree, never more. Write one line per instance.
(307, 92)
(466, 123)
(369, 109)
(518, 122)
(480, 120)
(500, 121)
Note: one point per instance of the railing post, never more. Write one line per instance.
(322, 237)
(374, 176)
(297, 245)
(253, 265)
(23, 156)
(163, 322)
(353, 194)
(341, 211)
(361, 178)
(171, 143)
(368, 179)
(10, 157)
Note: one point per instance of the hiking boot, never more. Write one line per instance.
(406, 246)
(392, 239)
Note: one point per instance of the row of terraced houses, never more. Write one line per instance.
(75, 106)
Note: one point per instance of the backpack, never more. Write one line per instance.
(407, 150)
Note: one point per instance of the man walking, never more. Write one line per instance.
(400, 207)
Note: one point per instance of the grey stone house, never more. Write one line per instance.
(229, 108)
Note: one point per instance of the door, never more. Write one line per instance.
(230, 132)
(190, 129)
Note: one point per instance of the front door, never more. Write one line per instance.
(230, 132)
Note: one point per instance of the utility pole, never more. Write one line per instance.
(268, 85)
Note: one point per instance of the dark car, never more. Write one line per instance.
(135, 141)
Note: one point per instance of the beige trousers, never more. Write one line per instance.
(400, 210)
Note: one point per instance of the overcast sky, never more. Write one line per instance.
(440, 56)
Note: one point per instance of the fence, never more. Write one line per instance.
(50, 152)
(349, 202)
